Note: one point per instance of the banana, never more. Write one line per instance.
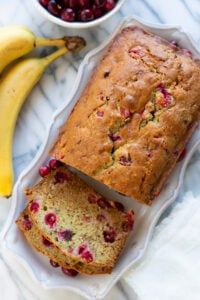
(16, 41)
(15, 86)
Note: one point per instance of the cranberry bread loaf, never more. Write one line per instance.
(89, 230)
(135, 116)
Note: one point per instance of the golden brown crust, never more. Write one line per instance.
(134, 116)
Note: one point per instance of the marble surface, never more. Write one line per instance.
(51, 92)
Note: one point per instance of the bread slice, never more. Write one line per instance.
(37, 240)
(88, 229)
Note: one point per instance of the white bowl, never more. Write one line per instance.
(76, 25)
(95, 287)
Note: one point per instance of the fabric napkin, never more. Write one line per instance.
(171, 267)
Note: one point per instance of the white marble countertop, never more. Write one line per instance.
(51, 92)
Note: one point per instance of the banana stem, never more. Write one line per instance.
(50, 58)
(39, 41)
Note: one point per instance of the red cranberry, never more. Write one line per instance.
(98, 12)
(99, 3)
(101, 218)
(125, 161)
(114, 137)
(84, 3)
(70, 272)
(27, 223)
(61, 177)
(46, 242)
(65, 235)
(125, 112)
(128, 224)
(86, 15)
(44, 2)
(82, 249)
(92, 198)
(182, 155)
(73, 4)
(87, 256)
(100, 113)
(54, 8)
(119, 206)
(109, 235)
(50, 219)
(54, 163)
(68, 15)
(103, 203)
(54, 264)
(167, 97)
(44, 171)
(109, 5)
(34, 207)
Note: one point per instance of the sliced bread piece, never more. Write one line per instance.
(38, 241)
(87, 228)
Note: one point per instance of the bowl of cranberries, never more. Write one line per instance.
(78, 13)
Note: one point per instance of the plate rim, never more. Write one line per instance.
(124, 23)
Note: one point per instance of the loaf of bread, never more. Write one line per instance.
(87, 231)
(135, 116)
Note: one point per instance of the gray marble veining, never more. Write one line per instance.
(52, 92)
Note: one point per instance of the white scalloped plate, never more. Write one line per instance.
(96, 287)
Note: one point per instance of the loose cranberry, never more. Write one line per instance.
(100, 113)
(101, 218)
(99, 3)
(50, 219)
(182, 155)
(84, 3)
(86, 15)
(54, 163)
(109, 5)
(65, 3)
(68, 15)
(125, 161)
(44, 2)
(61, 177)
(65, 235)
(119, 206)
(44, 171)
(92, 198)
(27, 223)
(109, 236)
(73, 4)
(125, 112)
(87, 255)
(34, 206)
(46, 242)
(98, 12)
(103, 203)
(114, 137)
(70, 272)
(54, 8)
(54, 264)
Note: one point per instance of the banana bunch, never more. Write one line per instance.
(17, 82)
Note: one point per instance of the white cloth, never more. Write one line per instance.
(171, 267)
